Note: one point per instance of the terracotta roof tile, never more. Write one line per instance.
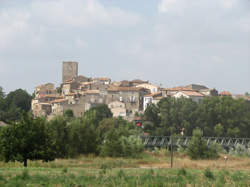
(154, 94)
(49, 96)
(59, 101)
(225, 93)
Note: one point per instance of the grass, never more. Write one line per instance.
(153, 169)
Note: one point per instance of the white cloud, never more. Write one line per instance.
(30, 25)
(12, 24)
(81, 13)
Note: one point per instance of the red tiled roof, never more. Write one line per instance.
(59, 101)
(153, 94)
(225, 93)
(50, 96)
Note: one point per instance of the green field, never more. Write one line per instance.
(152, 169)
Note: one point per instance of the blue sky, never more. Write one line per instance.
(168, 42)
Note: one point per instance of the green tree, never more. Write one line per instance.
(59, 133)
(20, 99)
(12, 106)
(97, 114)
(83, 137)
(218, 130)
(69, 114)
(1, 93)
(198, 149)
(25, 140)
(121, 140)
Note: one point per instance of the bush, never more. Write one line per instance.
(198, 149)
(240, 150)
(121, 143)
(209, 174)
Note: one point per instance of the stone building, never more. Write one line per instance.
(132, 97)
(45, 89)
(118, 109)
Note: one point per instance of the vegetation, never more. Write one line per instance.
(14, 104)
(215, 116)
(26, 139)
(98, 171)
(95, 132)
(98, 133)
(198, 149)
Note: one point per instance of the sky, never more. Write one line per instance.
(168, 42)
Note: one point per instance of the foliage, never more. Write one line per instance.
(120, 139)
(12, 105)
(83, 137)
(27, 139)
(198, 149)
(69, 114)
(216, 116)
(240, 150)
(59, 133)
(209, 174)
(97, 114)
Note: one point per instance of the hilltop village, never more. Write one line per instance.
(125, 98)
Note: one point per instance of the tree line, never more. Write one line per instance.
(215, 116)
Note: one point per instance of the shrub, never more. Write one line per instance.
(121, 143)
(198, 149)
(209, 174)
(240, 150)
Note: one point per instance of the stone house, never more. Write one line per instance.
(41, 109)
(151, 87)
(45, 89)
(169, 92)
(132, 97)
(117, 108)
(103, 80)
(209, 92)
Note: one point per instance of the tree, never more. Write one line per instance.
(25, 140)
(218, 129)
(12, 106)
(83, 137)
(59, 133)
(120, 141)
(20, 99)
(1, 93)
(198, 149)
(69, 114)
(97, 114)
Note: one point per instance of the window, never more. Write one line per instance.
(121, 99)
